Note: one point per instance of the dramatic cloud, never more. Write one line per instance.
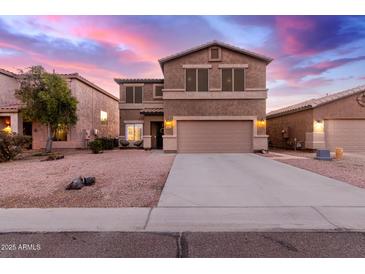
(312, 54)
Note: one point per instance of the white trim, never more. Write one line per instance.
(141, 106)
(126, 131)
(233, 66)
(215, 95)
(154, 91)
(196, 66)
(133, 85)
(216, 118)
(173, 89)
(133, 121)
(256, 89)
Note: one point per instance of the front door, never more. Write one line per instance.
(157, 132)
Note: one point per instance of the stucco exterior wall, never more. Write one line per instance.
(301, 123)
(297, 123)
(343, 108)
(129, 115)
(147, 93)
(8, 85)
(215, 108)
(175, 75)
(90, 103)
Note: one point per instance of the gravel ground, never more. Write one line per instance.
(351, 169)
(124, 178)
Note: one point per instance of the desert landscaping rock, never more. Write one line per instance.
(125, 178)
(351, 169)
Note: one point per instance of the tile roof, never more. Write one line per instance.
(152, 111)
(139, 80)
(10, 108)
(214, 43)
(313, 103)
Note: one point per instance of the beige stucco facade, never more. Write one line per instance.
(310, 126)
(91, 101)
(178, 104)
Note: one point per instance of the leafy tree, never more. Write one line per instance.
(48, 100)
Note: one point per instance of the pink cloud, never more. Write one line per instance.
(291, 30)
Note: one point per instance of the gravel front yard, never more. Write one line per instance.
(350, 169)
(124, 178)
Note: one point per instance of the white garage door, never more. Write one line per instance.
(214, 136)
(348, 134)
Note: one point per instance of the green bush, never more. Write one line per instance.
(108, 143)
(96, 146)
(12, 144)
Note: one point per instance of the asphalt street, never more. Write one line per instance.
(182, 245)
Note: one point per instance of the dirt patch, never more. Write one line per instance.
(124, 178)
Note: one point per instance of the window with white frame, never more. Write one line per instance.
(134, 94)
(196, 79)
(157, 91)
(103, 117)
(134, 132)
(233, 79)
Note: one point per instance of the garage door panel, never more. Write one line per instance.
(348, 134)
(214, 136)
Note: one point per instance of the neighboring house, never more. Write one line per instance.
(336, 120)
(97, 113)
(212, 99)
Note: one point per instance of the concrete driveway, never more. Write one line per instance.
(249, 180)
(247, 192)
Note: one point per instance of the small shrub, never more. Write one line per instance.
(107, 143)
(96, 146)
(11, 145)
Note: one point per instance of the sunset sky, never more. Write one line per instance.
(313, 55)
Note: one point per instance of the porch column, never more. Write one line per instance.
(14, 123)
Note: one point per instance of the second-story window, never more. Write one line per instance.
(197, 79)
(157, 91)
(233, 79)
(134, 95)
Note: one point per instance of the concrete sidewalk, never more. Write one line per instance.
(240, 219)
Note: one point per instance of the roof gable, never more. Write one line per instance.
(162, 61)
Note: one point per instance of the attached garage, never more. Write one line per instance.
(335, 120)
(347, 134)
(214, 136)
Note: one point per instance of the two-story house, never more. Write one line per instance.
(97, 112)
(212, 99)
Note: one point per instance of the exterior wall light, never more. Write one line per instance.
(318, 126)
(261, 123)
(7, 129)
(169, 124)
